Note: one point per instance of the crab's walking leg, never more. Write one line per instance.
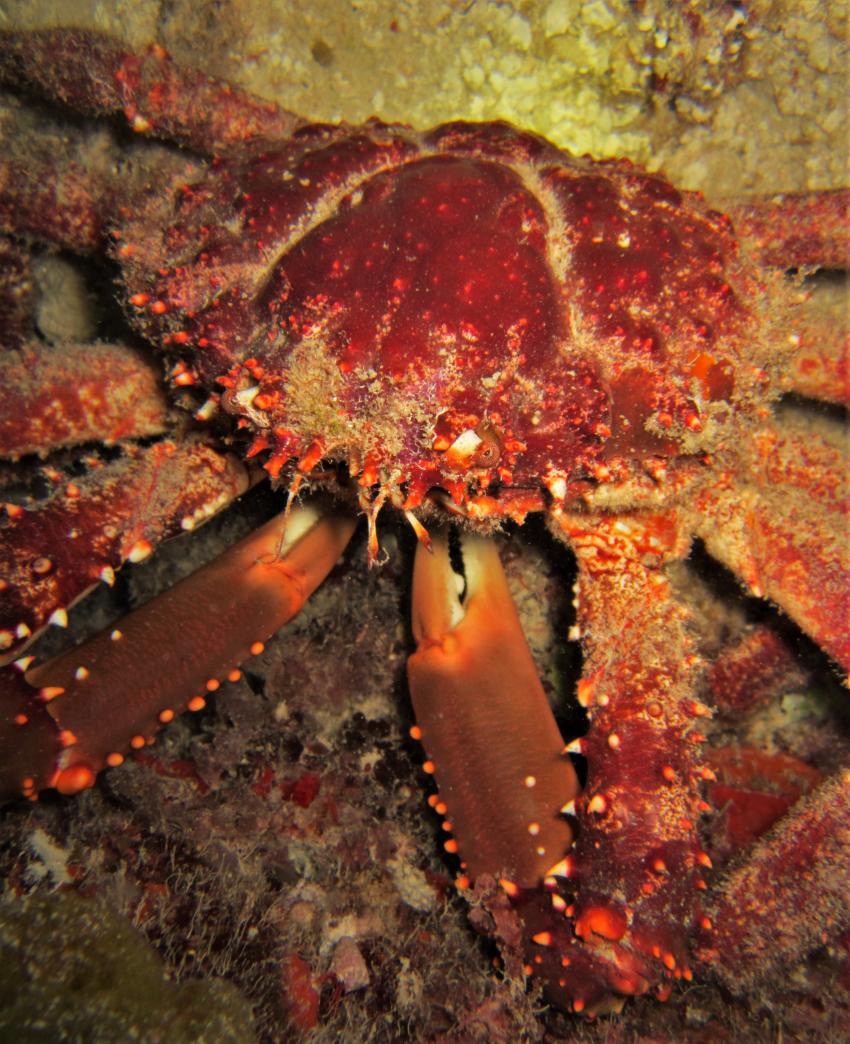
(54, 551)
(637, 863)
(17, 291)
(58, 183)
(484, 719)
(789, 897)
(820, 365)
(97, 76)
(795, 229)
(753, 671)
(123, 684)
(68, 394)
(809, 231)
(782, 526)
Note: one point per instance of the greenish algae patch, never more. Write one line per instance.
(75, 971)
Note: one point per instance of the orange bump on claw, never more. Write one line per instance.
(606, 921)
(74, 778)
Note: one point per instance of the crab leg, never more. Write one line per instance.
(17, 292)
(820, 368)
(484, 720)
(789, 897)
(795, 229)
(58, 183)
(68, 394)
(54, 552)
(123, 684)
(752, 672)
(809, 230)
(636, 865)
(790, 543)
(97, 76)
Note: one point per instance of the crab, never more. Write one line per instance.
(465, 326)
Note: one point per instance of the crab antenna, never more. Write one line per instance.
(372, 507)
(422, 534)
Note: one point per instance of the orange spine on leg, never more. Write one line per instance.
(484, 719)
(119, 687)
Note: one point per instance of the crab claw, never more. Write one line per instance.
(119, 687)
(484, 719)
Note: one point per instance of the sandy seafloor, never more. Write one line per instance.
(281, 837)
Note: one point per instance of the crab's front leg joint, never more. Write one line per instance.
(484, 720)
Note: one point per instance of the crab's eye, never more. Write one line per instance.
(479, 447)
(489, 451)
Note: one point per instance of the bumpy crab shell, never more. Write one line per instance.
(475, 324)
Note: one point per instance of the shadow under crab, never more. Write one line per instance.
(632, 485)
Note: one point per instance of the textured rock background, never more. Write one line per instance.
(726, 97)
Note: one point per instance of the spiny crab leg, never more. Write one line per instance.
(484, 720)
(782, 524)
(788, 897)
(122, 685)
(89, 525)
(156, 96)
(635, 871)
(796, 228)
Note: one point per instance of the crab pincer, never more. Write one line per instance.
(484, 719)
(119, 687)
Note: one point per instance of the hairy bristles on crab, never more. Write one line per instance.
(465, 325)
